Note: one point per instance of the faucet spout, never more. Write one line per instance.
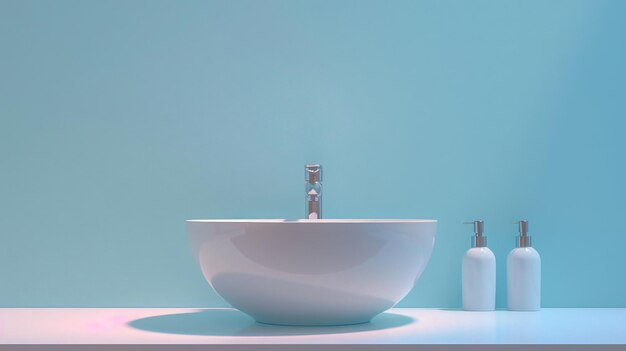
(313, 188)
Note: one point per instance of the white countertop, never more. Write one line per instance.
(399, 326)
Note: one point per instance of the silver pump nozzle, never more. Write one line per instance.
(478, 239)
(523, 239)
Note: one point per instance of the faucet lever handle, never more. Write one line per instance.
(313, 173)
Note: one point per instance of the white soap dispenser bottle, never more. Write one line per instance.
(479, 273)
(523, 274)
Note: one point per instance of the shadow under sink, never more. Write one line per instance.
(231, 322)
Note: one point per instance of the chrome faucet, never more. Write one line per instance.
(313, 188)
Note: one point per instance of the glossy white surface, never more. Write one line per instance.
(312, 272)
(523, 279)
(228, 326)
(479, 279)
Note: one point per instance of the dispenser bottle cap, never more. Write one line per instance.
(523, 239)
(478, 239)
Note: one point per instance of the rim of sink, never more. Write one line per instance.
(318, 221)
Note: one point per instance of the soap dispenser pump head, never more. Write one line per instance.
(478, 239)
(523, 239)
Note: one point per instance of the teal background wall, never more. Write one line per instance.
(119, 120)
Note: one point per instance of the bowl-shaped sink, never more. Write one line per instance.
(312, 272)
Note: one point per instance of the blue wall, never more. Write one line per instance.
(119, 120)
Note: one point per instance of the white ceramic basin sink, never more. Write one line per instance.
(312, 272)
